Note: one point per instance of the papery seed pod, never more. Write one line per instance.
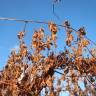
(85, 43)
(34, 41)
(68, 43)
(52, 27)
(82, 31)
(35, 35)
(48, 42)
(70, 37)
(41, 33)
(66, 24)
(21, 35)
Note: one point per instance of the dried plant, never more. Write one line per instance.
(35, 73)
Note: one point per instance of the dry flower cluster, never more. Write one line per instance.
(33, 73)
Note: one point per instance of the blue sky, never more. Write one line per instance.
(78, 12)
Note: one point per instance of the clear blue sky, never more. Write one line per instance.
(78, 12)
